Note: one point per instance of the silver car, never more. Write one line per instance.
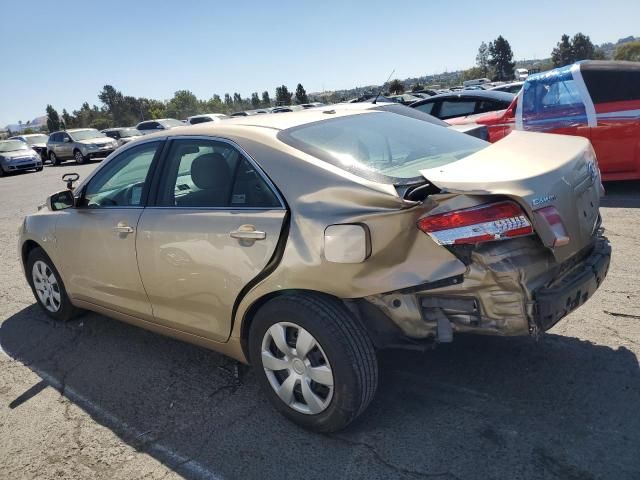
(80, 144)
(153, 126)
(16, 155)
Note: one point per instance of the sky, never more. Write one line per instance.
(63, 52)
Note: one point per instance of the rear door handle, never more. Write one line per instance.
(248, 232)
(123, 228)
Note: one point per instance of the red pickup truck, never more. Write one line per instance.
(599, 100)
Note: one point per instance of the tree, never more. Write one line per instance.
(183, 104)
(396, 87)
(563, 53)
(53, 119)
(501, 59)
(67, 119)
(417, 87)
(472, 73)
(255, 100)
(228, 101)
(582, 47)
(628, 51)
(301, 95)
(283, 96)
(266, 100)
(482, 60)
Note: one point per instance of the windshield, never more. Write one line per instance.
(130, 132)
(86, 134)
(13, 145)
(171, 122)
(382, 146)
(36, 139)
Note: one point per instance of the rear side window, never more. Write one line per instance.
(611, 85)
(381, 146)
(456, 108)
(212, 174)
(426, 107)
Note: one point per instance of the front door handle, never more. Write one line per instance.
(248, 232)
(123, 228)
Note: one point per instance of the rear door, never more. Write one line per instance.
(214, 226)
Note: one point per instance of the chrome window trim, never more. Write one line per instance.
(263, 175)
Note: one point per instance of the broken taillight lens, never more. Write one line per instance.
(554, 220)
(493, 221)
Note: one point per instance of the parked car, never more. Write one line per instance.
(521, 74)
(206, 117)
(122, 135)
(466, 102)
(37, 141)
(301, 243)
(513, 87)
(598, 100)
(152, 126)
(80, 144)
(17, 155)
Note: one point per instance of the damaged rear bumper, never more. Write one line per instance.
(510, 288)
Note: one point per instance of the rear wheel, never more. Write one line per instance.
(47, 286)
(79, 157)
(317, 364)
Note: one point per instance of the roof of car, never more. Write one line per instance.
(481, 94)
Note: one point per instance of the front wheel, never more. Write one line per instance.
(317, 364)
(53, 158)
(47, 286)
(79, 157)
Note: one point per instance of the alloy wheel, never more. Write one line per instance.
(297, 368)
(46, 286)
(78, 156)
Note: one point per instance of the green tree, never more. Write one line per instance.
(482, 60)
(628, 51)
(67, 118)
(301, 95)
(501, 59)
(283, 96)
(237, 100)
(228, 101)
(417, 87)
(182, 105)
(53, 119)
(472, 73)
(396, 87)
(255, 100)
(266, 100)
(582, 48)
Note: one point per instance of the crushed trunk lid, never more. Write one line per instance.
(538, 171)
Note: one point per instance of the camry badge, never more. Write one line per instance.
(536, 202)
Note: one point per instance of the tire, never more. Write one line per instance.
(39, 169)
(40, 270)
(2, 172)
(54, 159)
(79, 157)
(341, 345)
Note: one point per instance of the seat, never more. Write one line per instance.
(212, 175)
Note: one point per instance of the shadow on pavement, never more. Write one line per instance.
(480, 407)
(622, 194)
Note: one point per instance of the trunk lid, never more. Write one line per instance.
(537, 171)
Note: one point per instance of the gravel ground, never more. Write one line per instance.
(96, 398)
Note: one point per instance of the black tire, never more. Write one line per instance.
(344, 342)
(2, 172)
(39, 169)
(66, 310)
(54, 159)
(79, 157)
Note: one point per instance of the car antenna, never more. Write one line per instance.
(382, 88)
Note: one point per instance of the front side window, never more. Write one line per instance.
(381, 146)
(212, 174)
(121, 183)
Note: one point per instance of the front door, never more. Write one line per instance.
(65, 148)
(99, 235)
(214, 227)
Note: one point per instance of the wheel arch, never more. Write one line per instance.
(27, 247)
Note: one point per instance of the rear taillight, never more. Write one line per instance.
(554, 220)
(493, 221)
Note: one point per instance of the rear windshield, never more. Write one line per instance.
(382, 146)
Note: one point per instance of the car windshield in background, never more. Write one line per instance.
(382, 146)
(86, 134)
(37, 139)
(13, 145)
(171, 123)
(130, 132)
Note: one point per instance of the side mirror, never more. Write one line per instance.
(61, 200)
(66, 140)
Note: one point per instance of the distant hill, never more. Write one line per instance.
(35, 124)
